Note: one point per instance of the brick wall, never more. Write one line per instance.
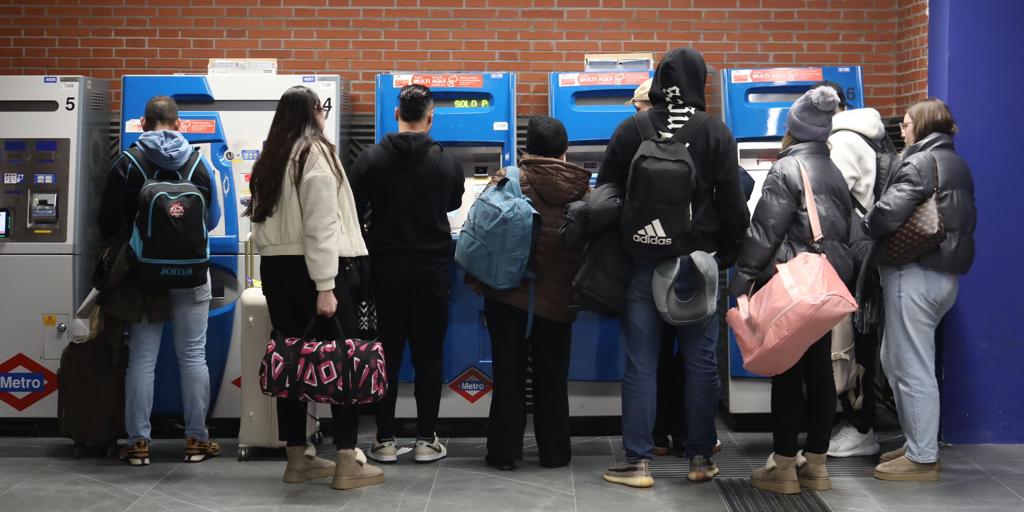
(358, 38)
(911, 53)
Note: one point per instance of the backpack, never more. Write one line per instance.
(887, 160)
(496, 242)
(658, 209)
(169, 239)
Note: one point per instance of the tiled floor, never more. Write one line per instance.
(40, 474)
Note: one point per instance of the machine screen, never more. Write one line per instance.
(5, 226)
(463, 100)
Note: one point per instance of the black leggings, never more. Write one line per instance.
(291, 299)
(813, 370)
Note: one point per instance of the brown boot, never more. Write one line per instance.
(304, 466)
(897, 453)
(778, 475)
(903, 469)
(812, 472)
(353, 472)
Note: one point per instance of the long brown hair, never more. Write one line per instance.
(294, 130)
(788, 140)
(930, 116)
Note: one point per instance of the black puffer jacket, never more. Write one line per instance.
(600, 285)
(913, 183)
(781, 229)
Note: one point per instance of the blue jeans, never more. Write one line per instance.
(697, 344)
(916, 298)
(190, 310)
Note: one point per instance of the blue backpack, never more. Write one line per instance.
(497, 239)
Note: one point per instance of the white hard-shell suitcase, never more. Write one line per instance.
(258, 422)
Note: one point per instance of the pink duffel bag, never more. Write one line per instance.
(802, 302)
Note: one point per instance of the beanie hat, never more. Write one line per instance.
(810, 117)
(546, 136)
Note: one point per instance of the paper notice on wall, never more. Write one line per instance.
(242, 67)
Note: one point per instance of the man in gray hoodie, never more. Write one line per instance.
(163, 147)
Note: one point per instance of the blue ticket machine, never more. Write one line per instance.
(474, 117)
(755, 103)
(591, 106)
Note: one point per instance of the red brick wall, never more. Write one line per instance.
(358, 38)
(911, 53)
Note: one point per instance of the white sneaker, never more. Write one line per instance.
(429, 451)
(848, 442)
(385, 452)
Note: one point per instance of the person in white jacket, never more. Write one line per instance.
(855, 135)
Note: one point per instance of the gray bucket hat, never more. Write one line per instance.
(703, 303)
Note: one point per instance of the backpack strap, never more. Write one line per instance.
(646, 126)
(138, 160)
(689, 129)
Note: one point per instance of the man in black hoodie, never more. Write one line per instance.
(404, 187)
(719, 224)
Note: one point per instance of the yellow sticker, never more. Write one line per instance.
(43, 231)
(49, 320)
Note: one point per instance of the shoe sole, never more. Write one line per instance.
(640, 482)
(383, 459)
(294, 477)
(424, 459)
(883, 460)
(200, 458)
(921, 476)
(347, 482)
(855, 453)
(776, 487)
(702, 476)
(816, 484)
(137, 462)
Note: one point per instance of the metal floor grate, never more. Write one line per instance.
(739, 496)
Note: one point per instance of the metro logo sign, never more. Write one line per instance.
(740, 76)
(440, 80)
(33, 385)
(471, 384)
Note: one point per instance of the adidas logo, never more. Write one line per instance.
(652, 234)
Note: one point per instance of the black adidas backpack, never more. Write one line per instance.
(169, 239)
(658, 209)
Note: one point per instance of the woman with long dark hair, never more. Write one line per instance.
(304, 225)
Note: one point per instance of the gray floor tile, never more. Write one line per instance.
(529, 472)
(593, 493)
(973, 490)
(461, 489)
(134, 479)
(994, 453)
(57, 491)
(155, 502)
(19, 469)
(225, 484)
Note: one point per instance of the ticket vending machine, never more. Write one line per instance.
(755, 103)
(228, 118)
(591, 106)
(55, 143)
(474, 117)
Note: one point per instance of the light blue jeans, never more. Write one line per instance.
(190, 310)
(916, 298)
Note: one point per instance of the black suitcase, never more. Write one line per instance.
(90, 396)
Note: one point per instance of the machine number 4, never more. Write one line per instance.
(69, 104)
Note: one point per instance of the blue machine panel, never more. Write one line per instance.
(755, 105)
(471, 110)
(198, 128)
(591, 105)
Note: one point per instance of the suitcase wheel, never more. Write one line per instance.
(317, 438)
(243, 454)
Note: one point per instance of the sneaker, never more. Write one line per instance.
(849, 442)
(702, 469)
(198, 451)
(136, 454)
(636, 474)
(429, 451)
(385, 452)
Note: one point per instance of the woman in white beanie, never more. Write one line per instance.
(779, 230)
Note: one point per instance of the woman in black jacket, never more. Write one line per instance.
(918, 294)
(779, 230)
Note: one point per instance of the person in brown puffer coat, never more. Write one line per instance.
(551, 183)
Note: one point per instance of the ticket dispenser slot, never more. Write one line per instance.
(42, 209)
(602, 97)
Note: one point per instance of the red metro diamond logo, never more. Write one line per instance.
(471, 384)
(32, 385)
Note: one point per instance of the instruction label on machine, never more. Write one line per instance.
(585, 79)
(776, 75)
(439, 80)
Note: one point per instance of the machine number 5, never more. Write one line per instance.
(69, 104)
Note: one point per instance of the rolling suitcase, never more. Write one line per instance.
(257, 426)
(90, 392)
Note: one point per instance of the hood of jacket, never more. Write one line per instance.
(935, 140)
(680, 79)
(865, 121)
(165, 148)
(406, 147)
(555, 181)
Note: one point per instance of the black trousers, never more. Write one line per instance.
(412, 304)
(670, 419)
(546, 353)
(863, 418)
(813, 371)
(291, 299)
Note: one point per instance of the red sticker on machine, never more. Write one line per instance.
(585, 79)
(198, 126)
(471, 384)
(22, 389)
(441, 80)
(776, 75)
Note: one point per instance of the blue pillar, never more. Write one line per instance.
(975, 64)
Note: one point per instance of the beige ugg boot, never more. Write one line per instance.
(353, 471)
(812, 472)
(303, 466)
(778, 475)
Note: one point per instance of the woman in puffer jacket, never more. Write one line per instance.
(918, 294)
(779, 230)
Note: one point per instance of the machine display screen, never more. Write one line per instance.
(5, 224)
(463, 100)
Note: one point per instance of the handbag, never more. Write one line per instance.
(922, 232)
(802, 302)
(335, 371)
